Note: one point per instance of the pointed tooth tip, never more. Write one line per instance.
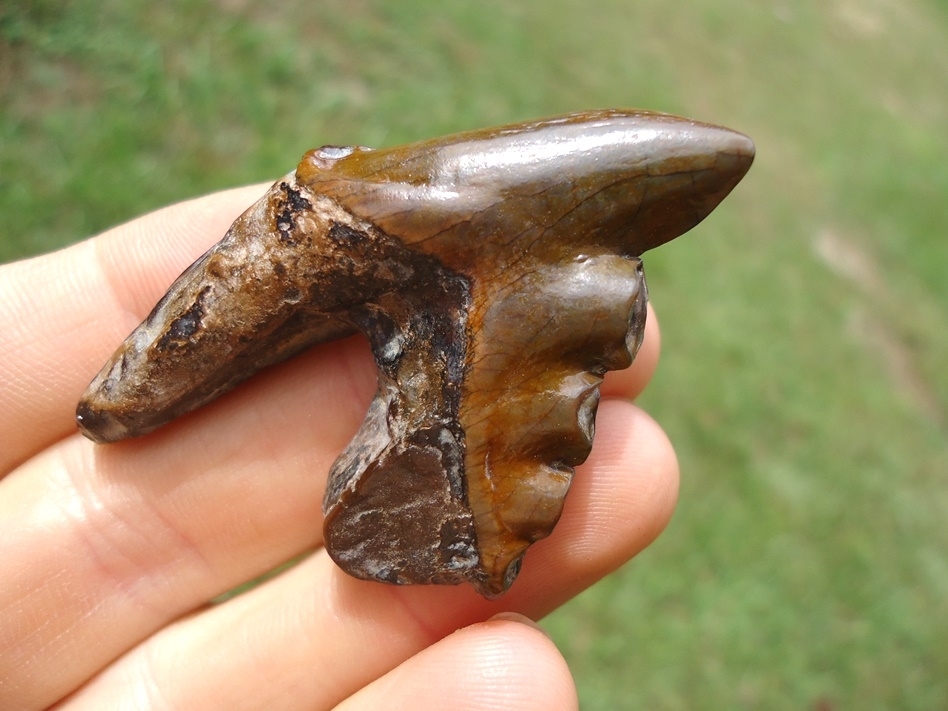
(745, 148)
(712, 136)
(734, 153)
(738, 145)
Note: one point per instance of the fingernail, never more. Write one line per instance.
(517, 617)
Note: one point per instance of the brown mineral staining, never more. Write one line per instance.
(496, 274)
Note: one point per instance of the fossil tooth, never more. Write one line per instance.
(496, 274)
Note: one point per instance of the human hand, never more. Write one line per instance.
(111, 555)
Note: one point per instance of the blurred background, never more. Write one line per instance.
(805, 370)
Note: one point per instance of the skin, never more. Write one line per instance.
(110, 555)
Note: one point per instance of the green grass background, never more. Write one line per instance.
(805, 324)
